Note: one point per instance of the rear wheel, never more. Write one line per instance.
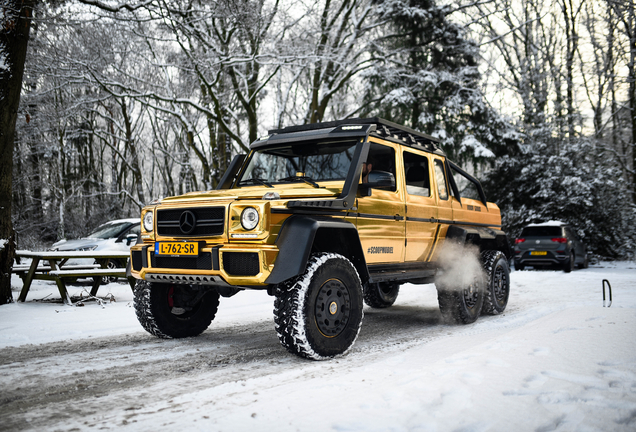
(174, 311)
(568, 265)
(497, 282)
(585, 264)
(318, 314)
(381, 295)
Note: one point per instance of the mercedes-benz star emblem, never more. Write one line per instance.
(187, 222)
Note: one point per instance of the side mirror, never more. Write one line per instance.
(377, 180)
(381, 179)
(131, 238)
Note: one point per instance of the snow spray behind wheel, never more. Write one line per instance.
(459, 265)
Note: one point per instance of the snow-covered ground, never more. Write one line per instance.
(556, 360)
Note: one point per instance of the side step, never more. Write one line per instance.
(415, 275)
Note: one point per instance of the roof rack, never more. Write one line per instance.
(385, 129)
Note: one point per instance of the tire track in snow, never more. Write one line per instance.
(85, 379)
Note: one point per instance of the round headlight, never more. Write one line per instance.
(249, 218)
(148, 225)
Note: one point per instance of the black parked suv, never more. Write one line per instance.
(549, 244)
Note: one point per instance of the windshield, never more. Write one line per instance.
(299, 162)
(109, 230)
(542, 231)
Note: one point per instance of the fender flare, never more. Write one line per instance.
(484, 237)
(297, 239)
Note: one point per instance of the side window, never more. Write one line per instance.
(466, 188)
(418, 181)
(380, 158)
(440, 179)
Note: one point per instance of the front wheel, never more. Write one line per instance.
(174, 311)
(497, 279)
(318, 314)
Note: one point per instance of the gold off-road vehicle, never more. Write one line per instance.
(323, 217)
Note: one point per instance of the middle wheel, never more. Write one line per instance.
(461, 303)
(318, 314)
(381, 295)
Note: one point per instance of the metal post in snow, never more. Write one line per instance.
(610, 292)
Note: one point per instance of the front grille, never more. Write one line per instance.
(136, 260)
(241, 263)
(209, 221)
(202, 262)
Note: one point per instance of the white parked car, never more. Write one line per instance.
(116, 235)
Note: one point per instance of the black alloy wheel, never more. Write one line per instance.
(497, 282)
(319, 313)
(461, 304)
(381, 295)
(333, 308)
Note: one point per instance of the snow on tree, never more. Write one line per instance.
(426, 76)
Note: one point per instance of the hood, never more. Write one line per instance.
(69, 245)
(291, 191)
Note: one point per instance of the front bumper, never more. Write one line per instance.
(224, 265)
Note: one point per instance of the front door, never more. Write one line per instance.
(421, 207)
(381, 216)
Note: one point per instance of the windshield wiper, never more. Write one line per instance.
(305, 179)
(255, 180)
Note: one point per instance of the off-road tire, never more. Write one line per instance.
(319, 313)
(381, 295)
(497, 282)
(568, 265)
(461, 305)
(154, 306)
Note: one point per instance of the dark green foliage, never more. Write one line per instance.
(427, 78)
(576, 184)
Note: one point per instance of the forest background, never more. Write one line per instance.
(124, 103)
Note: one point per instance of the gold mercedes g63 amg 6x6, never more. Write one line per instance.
(324, 217)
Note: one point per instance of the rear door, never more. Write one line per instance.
(441, 190)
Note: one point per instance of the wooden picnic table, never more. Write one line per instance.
(57, 271)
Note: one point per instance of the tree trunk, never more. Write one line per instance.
(632, 90)
(15, 24)
(132, 151)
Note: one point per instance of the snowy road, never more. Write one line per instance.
(556, 360)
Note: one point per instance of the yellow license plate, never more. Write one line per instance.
(177, 248)
(538, 253)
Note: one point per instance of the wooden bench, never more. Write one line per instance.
(58, 271)
(19, 269)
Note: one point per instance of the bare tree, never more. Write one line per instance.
(15, 25)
